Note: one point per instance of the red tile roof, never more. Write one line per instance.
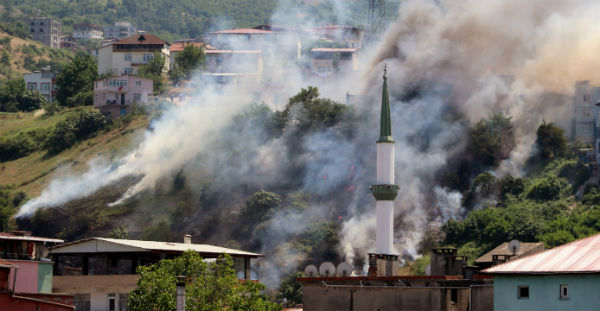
(580, 256)
(244, 31)
(148, 39)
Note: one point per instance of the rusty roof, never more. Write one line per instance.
(502, 249)
(580, 256)
(146, 38)
(245, 31)
(178, 47)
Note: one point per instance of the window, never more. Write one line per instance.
(128, 57)
(45, 86)
(41, 23)
(41, 30)
(112, 302)
(137, 97)
(123, 299)
(138, 83)
(128, 71)
(32, 30)
(32, 24)
(454, 296)
(81, 302)
(148, 57)
(523, 292)
(32, 86)
(115, 82)
(564, 291)
(123, 111)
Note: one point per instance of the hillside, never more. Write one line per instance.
(19, 56)
(32, 173)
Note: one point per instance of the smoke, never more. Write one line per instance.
(450, 63)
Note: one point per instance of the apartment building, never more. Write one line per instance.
(118, 96)
(119, 30)
(100, 272)
(45, 30)
(87, 31)
(127, 55)
(43, 81)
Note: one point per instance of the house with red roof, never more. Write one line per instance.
(128, 54)
(566, 277)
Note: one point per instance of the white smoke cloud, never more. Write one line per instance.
(471, 57)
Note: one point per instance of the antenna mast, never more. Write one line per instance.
(376, 15)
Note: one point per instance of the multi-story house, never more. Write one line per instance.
(348, 36)
(127, 55)
(117, 96)
(43, 81)
(26, 274)
(586, 127)
(100, 272)
(327, 62)
(87, 31)
(45, 30)
(119, 31)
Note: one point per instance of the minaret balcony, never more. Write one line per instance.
(384, 192)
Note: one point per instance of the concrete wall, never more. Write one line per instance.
(320, 297)
(544, 292)
(98, 286)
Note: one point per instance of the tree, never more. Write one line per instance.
(551, 141)
(512, 186)
(10, 94)
(259, 206)
(290, 289)
(491, 139)
(485, 183)
(186, 62)
(310, 112)
(208, 286)
(154, 69)
(77, 77)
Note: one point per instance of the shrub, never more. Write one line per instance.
(546, 190)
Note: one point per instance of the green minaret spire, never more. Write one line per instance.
(385, 133)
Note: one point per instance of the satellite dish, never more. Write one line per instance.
(344, 269)
(311, 271)
(327, 269)
(514, 246)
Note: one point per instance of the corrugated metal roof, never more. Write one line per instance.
(580, 256)
(153, 246)
(502, 249)
(10, 236)
(244, 31)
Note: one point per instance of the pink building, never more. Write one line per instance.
(117, 96)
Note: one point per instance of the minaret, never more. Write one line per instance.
(384, 261)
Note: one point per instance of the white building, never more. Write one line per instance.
(119, 31)
(127, 55)
(87, 31)
(117, 96)
(43, 81)
(586, 127)
(100, 272)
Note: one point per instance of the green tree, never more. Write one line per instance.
(209, 286)
(10, 94)
(291, 289)
(260, 205)
(491, 139)
(551, 141)
(512, 186)
(308, 111)
(154, 69)
(77, 77)
(31, 101)
(186, 62)
(485, 183)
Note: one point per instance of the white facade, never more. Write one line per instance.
(42, 82)
(119, 31)
(384, 234)
(87, 31)
(126, 61)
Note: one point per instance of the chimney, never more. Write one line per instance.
(187, 239)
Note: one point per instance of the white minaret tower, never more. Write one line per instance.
(384, 261)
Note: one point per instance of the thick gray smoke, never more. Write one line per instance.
(468, 58)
